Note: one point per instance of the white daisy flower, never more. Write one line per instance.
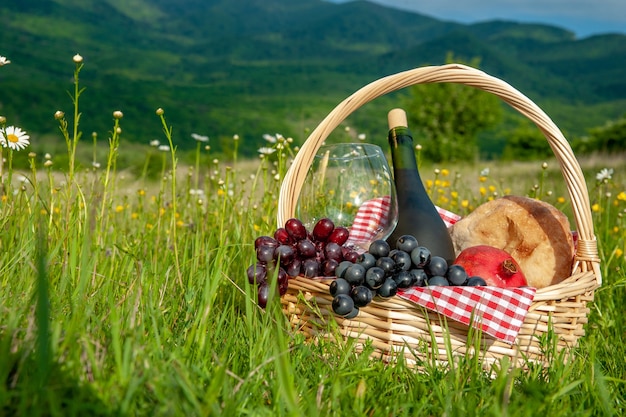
(155, 143)
(266, 151)
(605, 174)
(484, 172)
(4, 61)
(164, 148)
(269, 138)
(194, 191)
(200, 138)
(14, 138)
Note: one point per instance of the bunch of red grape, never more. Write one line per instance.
(294, 251)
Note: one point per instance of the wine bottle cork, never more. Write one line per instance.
(397, 118)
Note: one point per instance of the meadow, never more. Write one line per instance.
(125, 294)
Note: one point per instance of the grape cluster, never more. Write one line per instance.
(294, 251)
(382, 270)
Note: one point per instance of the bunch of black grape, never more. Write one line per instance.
(381, 271)
(294, 251)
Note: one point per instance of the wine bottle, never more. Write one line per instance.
(417, 215)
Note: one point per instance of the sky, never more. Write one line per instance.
(583, 17)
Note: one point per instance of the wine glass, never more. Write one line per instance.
(351, 184)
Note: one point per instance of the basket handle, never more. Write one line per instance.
(587, 251)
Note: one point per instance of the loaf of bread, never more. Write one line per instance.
(536, 234)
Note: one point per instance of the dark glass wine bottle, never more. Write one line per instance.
(417, 215)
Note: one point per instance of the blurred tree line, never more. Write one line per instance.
(447, 118)
(609, 138)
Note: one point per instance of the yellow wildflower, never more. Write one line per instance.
(622, 196)
(119, 208)
(465, 203)
(445, 172)
(560, 200)
(595, 207)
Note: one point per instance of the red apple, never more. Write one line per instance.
(494, 265)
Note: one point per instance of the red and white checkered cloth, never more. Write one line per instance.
(499, 312)
(372, 217)
(369, 220)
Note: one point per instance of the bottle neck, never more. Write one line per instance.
(402, 153)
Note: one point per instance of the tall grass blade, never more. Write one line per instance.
(42, 311)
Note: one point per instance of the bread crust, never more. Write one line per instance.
(536, 234)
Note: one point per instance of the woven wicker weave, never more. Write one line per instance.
(397, 326)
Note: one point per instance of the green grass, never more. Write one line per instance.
(124, 295)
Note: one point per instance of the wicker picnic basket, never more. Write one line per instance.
(398, 327)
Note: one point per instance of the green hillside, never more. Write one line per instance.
(222, 67)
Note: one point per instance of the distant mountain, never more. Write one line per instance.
(220, 67)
